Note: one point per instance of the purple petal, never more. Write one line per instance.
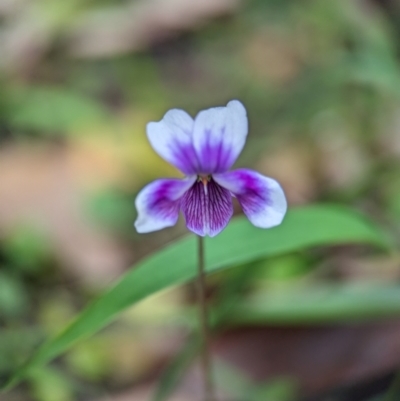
(262, 198)
(158, 203)
(172, 139)
(207, 208)
(219, 136)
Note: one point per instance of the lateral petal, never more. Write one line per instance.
(158, 203)
(262, 198)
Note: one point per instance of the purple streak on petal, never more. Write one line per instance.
(185, 157)
(214, 157)
(172, 139)
(158, 203)
(219, 135)
(262, 198)
(207, 210)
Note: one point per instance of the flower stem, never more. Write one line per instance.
(204, 331)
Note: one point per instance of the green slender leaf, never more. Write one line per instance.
(328, 303)
(235, 383)
(238, 386)
(176, 264)
(176, 369)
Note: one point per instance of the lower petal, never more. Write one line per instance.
(158, 203)
(262, 198)
(207, 208)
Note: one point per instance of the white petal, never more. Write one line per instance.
(172, 139)
(219, 136)
(158, 203)
(262, 198)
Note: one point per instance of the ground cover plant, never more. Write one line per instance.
(92, 310)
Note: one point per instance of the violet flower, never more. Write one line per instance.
(204, 149)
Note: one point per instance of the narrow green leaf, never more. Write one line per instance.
(239, 243)
(328, 303)
(175, 370)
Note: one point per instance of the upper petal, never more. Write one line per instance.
(262, 198)
(157, 203)
(207, 208)
(219, 136)
(172, 139)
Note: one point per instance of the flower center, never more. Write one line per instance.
(205, 179)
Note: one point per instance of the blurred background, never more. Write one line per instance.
(79, 80)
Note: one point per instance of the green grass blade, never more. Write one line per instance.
(240, 243)
(320, 304)
(176, 369)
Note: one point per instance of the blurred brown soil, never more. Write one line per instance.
(319, 358)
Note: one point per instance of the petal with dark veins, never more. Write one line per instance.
(207, 208)
(219, 136)
(262, 198)
(158, 203)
